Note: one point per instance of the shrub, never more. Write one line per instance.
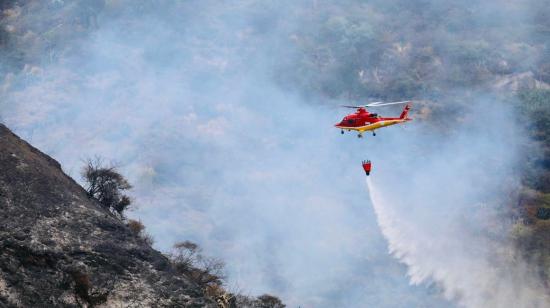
(543, 213)
(106, 184)
(270, 301)
(138, 228)
(264, 301)
(81, 286)
(187, 258)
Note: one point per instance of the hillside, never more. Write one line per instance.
(60, 248)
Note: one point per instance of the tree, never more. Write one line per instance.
(106, 184)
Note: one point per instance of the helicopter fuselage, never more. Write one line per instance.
(363, 121)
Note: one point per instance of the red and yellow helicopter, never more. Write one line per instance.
(363, 121)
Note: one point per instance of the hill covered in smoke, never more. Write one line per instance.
(61, 249)
(213, 106)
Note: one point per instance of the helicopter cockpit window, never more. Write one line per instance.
(374, 115)
(351, 121)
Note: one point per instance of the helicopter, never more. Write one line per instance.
(362, 120)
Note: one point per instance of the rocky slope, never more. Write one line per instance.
(59, 248)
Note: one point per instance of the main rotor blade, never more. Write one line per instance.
(355, 107)
(375, 104)
(362, 106)
(385, 104)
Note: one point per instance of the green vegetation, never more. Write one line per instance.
(403, 49)
(532, 231)
(534, 105)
